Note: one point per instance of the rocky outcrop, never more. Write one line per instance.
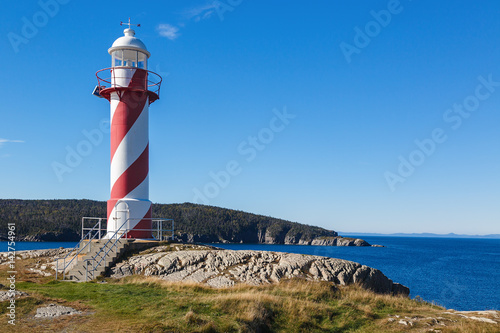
(191, 238)
(275, 234)
(491, 317)
(278, 234)
(283, 236)
(226, 268)
(339, 241)
(29, 254)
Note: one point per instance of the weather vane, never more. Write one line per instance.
(129, 24)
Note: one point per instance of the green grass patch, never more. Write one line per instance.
(141, 304)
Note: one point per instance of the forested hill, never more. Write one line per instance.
(61, 220)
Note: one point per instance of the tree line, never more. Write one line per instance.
(34, 217)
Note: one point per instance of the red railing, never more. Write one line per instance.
(107, 78)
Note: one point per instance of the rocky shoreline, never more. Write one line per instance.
(69, 236)
(287, 240)
(226, 268)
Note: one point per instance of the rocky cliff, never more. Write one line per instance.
(226, 268)
(264, 237)
(339, 241)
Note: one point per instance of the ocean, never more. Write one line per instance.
(461, 274)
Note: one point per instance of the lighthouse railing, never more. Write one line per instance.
(108, 78)
(100, 223)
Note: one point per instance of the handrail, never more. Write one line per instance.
(86, 261)
(77, 246)
(100, 219)
(104, 247)
(96, 264)
(96, 231)
(125, 232)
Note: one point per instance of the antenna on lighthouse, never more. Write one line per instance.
(129, 24)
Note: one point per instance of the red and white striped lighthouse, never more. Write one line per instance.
(130, 88)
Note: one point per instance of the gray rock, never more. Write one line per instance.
(399, 289)
(225, 268)
(29, 254)
(338, 241)
(220, 282)
(7, 294)
(39, 271)
(330, 241)
(54, 310)
(404, 322)
(275, 234)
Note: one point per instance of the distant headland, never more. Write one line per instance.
(423, 234)
(60, 220)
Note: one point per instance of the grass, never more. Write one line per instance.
(139, 304)
(147, 304)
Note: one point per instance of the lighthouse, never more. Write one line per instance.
(130, 88)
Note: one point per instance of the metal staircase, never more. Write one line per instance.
(93, 255)
(95, 263)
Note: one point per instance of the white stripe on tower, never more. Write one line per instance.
(130, 147)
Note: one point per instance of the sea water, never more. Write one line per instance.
(21, 246)
(461, 274)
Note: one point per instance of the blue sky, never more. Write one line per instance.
(366, 116)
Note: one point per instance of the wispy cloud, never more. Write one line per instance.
(169, 31)
(189, 15)
(201, 12)
(4, 141)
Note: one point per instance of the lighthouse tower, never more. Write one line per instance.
(130, 88)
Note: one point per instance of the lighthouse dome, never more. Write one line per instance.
(129, 42)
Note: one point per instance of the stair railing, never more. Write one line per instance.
(117, 236)
(96, 227)
(96, 264)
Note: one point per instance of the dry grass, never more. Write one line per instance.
(147, 304)
(22, 267)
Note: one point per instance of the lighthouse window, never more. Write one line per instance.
(129, 58)
(117, 57)
(142, 60)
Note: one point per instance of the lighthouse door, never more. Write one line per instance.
(122, 215)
